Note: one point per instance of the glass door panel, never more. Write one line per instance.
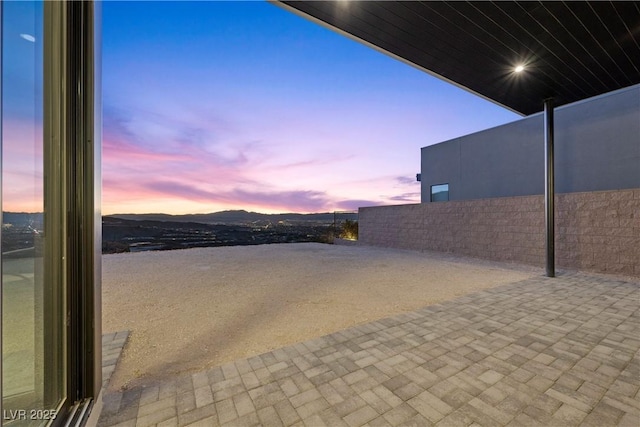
(33, 335)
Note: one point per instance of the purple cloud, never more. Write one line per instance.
(406, 180)
(354, 204)
(407, 197)
(295, 201)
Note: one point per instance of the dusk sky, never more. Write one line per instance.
(243, 105)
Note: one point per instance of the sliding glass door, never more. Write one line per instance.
(50, 212)
(33, 303)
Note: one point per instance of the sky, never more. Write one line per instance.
(212, 105)
(22, 178)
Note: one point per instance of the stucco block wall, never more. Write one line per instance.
(599, 231)
(595, 231)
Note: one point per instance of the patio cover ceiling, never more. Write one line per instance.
(570, 50)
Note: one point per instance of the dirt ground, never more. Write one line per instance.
(192, 309)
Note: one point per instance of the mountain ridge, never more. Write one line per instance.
(240, 216)
(230, 217)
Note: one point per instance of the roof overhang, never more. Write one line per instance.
(569, 50)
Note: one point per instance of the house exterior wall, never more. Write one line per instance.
(597, 147)
(595, 231)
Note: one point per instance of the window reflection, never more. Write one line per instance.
(24, 307)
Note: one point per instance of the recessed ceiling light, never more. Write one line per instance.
(519, 68)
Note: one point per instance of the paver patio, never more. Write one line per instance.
(551, 352)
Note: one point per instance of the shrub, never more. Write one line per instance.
(349, 230)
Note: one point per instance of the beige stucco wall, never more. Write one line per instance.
(595, 231)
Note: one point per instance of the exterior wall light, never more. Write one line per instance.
(519, 68)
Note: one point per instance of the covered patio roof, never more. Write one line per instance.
(568, 50)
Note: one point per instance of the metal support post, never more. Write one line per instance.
(549, 188)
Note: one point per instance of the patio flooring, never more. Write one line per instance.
(547, 352)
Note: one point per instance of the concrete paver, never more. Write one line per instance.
(562, 351)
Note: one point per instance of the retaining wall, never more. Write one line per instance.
(595, 231)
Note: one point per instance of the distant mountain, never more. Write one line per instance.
(230, 217)
(240, 217)
(23, 219)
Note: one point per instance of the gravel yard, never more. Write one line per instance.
(192, 309)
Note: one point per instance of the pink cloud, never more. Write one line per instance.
(22, 165)
(131, 164)
(192, 164)
(198, 164)
(295, 201)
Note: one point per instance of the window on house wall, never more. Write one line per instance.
(440, 193)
